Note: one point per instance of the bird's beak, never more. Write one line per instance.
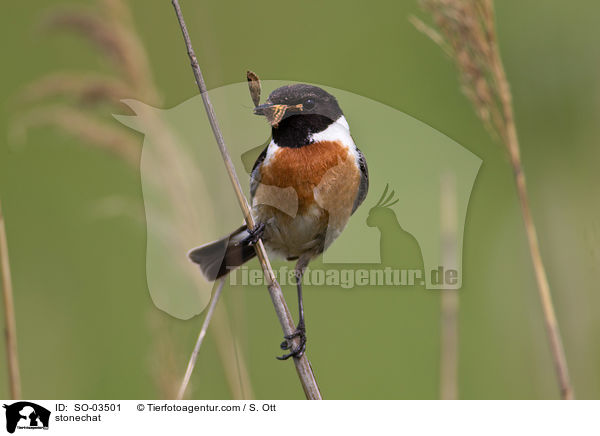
(274, 113)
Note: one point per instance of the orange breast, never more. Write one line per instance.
(304, 168)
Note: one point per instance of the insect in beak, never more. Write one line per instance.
(274, 113)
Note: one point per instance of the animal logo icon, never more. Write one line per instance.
(398, 248)
(27, 415)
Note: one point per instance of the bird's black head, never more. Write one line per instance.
(295, 112)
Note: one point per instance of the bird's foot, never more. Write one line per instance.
(288, 344)
(254, 235)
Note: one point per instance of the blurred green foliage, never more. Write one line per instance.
(84, 316)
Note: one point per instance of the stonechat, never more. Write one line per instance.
(304, 187)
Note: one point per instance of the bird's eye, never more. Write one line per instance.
(308, 104)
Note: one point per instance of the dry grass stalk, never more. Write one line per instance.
(112, 32)
(10, 326)
(87, 89)
(116, 41)
(84, 126)
(201, 335)
(234, 358)
(449, 298)
(164, 358)
(303, 368)
(467, 33)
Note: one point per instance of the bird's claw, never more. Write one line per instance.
(253, 235)
(295, 351)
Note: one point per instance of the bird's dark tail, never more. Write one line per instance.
(217, 258)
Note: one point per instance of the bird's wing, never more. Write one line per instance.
(363, 187)
(255, 174)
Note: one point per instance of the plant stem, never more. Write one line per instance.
(12, 354)
(512, 144)
(469, 28)
(449, 304)
(232, 356)
(556, 344)
(201, 335)
(303, 368)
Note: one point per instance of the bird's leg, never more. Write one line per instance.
(253, 235)
(300, 332)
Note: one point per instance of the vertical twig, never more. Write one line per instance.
(303, 368)
(113, 33)
(512, 144)
(556, 343)
(205, 324)
(469, 37)
(233, 359)
(449, 297)
(9, 313)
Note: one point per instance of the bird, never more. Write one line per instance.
(304, 186)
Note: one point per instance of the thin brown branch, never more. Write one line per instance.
(449, 298)
(303, 367)
(233, 359)
(551, 323)
(201, 335)
(468, 29)
(12, 354)
(512, 144)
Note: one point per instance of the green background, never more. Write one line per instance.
(86, 325)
